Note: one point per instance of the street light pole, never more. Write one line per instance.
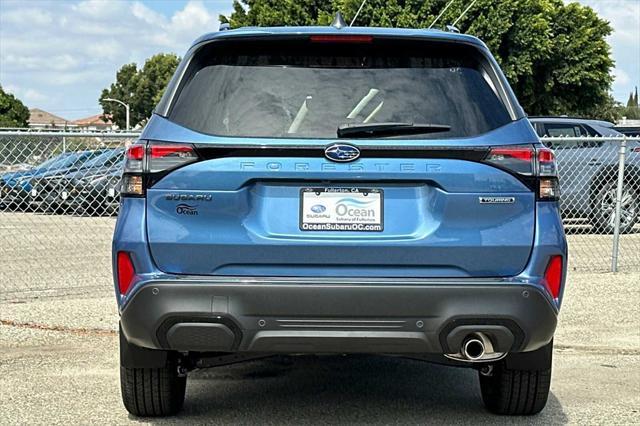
(126, 108)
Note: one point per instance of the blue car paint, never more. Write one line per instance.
(129, 236)
(237, 238)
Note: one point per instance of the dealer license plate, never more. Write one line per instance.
(342, 209)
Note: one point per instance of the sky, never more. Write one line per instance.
(58, 55)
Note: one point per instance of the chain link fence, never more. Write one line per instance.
(600, 201)
(59, 196)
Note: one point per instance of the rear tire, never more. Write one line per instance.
(151, 392)
(516, 392)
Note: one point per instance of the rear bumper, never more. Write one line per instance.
(326, 315)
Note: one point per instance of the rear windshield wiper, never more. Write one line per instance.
(363, 130)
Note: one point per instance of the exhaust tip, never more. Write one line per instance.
(473, 348)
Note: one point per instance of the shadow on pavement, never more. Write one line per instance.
(342, 390)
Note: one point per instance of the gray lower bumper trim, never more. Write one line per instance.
(333, 316)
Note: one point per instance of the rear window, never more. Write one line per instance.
(307, 90)
(565, 130)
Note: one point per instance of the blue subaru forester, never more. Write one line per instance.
(326, 190)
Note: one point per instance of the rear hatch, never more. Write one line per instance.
(276, 192)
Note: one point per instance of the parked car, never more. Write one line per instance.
(588, 171)
(90, 188)
(572, 127)
(20, 167)
(373, 190)
(629, 127)
(96, 190)
(15, 187)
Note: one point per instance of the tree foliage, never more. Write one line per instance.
(633, 99)
(555, 55)
(13, 113)
(140, 88)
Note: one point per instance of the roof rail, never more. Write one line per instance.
(225, 27)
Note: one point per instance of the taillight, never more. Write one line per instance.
(169, 156)
(146, 162)
(553, 276)
(546, 162)
(519, 159)
(134, 158)
(131, 185)
(527, 160)
(126, 272)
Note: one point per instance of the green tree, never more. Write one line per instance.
(555, 55)
(13, 113)
(635, 98)
(140, 88)
(631, 113)
(632, 101)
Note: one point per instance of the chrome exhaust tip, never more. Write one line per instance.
(473, 348)
(476, 347)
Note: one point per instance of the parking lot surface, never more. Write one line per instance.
(59, 365)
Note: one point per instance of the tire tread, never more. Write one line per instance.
(150, 392)
(515, 392)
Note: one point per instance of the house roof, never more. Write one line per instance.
(38, 116)
(95, 120)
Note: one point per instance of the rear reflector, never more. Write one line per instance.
(553, 276)
(341, 39)
(126, 272)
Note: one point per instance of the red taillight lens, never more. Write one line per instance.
(546, 162)
(143, 160)
(529, 161)
(548, 185)
(519, 159)
(134, 158)
(553, 276)
(126, 272)
(341, 39)
(135, 152)
(169, 156)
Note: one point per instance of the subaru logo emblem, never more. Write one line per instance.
(318, 208)
(342, 152)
